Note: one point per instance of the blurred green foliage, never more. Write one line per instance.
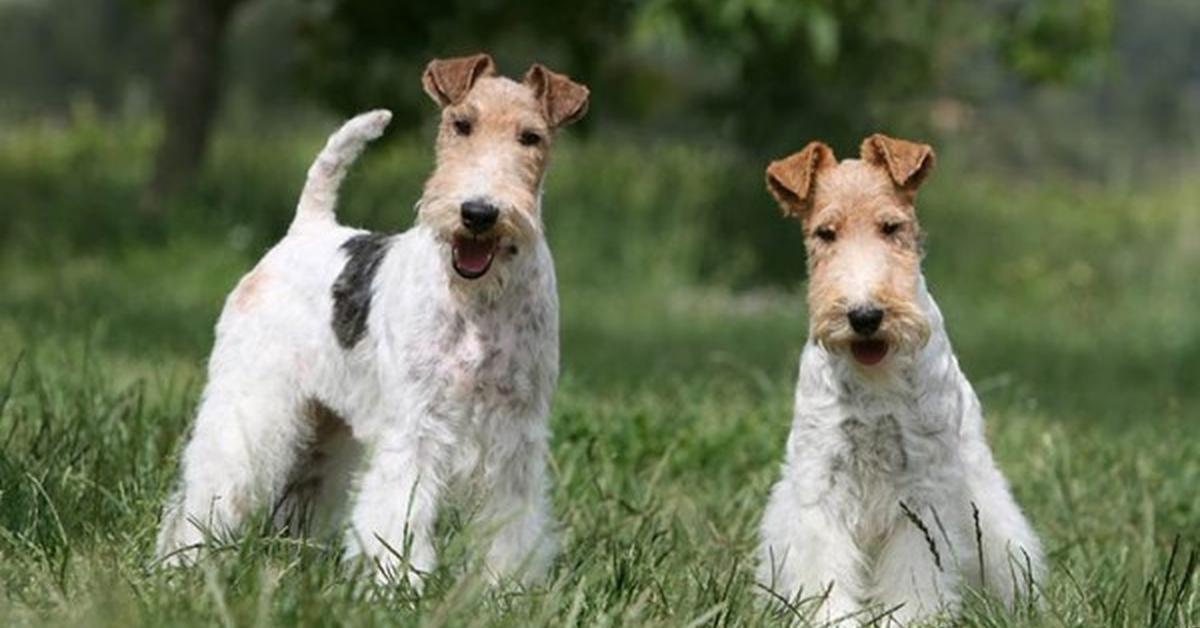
(359, 51)
(1058, 40)
(1097, 88)
(755, 71)
(55, 51)
(760, 70)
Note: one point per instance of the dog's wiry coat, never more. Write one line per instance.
(368, 372)
(889, 498)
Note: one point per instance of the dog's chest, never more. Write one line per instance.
(489, 361)
(875, 448)
(484, 358)
(882, 449)
(888, 436)
(872, 446)
(873, 459)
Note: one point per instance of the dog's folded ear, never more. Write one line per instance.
(791, 179)
(908, 163)
(447, 81)
(563, 100)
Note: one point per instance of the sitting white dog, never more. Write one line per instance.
(889, 501)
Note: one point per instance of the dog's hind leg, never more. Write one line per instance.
(243, 449)
(316, 497)
(1007, 558)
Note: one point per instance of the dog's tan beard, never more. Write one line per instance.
(519, 226)
(905, 328)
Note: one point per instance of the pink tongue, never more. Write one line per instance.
(869, 352)
(472, 255)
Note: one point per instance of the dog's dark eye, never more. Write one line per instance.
(825, 234)
(462, 127)
(889, 228)
(529, 138)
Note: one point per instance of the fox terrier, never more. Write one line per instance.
(889, 497)
(430, 356)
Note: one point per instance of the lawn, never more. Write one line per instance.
(1072, 307)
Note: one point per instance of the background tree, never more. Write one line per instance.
(191, 92)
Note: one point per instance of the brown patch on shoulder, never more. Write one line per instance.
(249, 290)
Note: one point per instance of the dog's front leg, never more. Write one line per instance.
(391, 525)
(918, 575)
(1006, 557)
(516, 517)
(808, 559)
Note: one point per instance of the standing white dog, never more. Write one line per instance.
(889, 501)
(433, 354)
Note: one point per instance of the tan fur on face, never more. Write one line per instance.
(856, 200)
(490, 162)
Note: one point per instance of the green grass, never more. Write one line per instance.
(1073, 309)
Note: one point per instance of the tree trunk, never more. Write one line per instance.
(191, 94)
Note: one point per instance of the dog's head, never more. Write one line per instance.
(483, 199)
(863, 243)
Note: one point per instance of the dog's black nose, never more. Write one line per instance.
(479, 215)
(865, 320)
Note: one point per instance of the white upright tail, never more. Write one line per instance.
(317, 201)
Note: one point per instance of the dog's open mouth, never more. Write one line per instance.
(869, 352)
(473, 256)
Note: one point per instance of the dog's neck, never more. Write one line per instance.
(934, 365)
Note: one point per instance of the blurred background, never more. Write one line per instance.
(170, 139)
(151, 151)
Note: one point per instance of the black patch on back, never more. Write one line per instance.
(353, 287)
